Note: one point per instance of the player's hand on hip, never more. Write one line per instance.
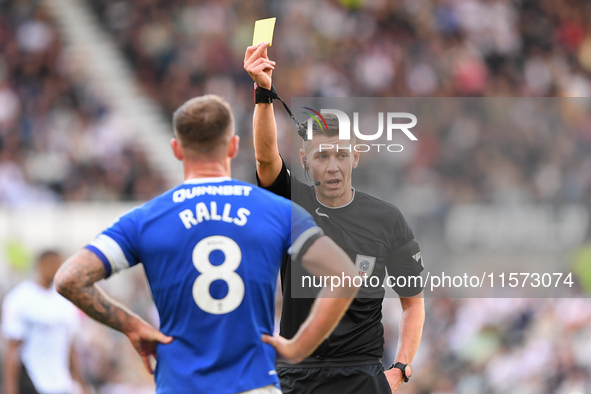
(144, 339)
(287, 349)
(395, 378)
(258, 65)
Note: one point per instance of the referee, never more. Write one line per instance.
(374, 234)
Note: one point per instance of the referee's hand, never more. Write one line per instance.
(258, 65)
(395, 378)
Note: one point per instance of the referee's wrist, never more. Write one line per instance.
(405, 369)
(263, 95)
(397, 361)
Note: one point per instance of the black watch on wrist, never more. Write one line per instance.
(405, 368)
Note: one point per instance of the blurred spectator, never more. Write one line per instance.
(40, 326)
(58, 141)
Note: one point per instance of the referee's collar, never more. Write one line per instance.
(208, 180)
(342, 206)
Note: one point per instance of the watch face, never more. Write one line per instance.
(408, 371)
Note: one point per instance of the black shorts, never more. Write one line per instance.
(25, 383)
(333, 378)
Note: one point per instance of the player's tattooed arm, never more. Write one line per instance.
(76, 281)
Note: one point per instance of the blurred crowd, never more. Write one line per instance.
(507, 345)
(106, 359)
(359, 48)
(378, 48)
(58, 141)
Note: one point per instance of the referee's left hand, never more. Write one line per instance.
(395, 378)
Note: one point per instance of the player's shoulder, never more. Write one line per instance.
(176, 194)
(165, 197)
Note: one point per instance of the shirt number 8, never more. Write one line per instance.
(224, 271)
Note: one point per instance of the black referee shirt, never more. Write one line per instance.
(375, 235)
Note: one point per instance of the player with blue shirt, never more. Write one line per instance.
(211, 248)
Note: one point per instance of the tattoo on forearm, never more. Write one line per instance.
(76, 281)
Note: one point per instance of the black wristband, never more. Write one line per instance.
(404, 368)
(262, 95)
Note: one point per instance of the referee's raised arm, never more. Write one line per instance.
(260, 68)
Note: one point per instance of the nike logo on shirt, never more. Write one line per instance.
(320, 213)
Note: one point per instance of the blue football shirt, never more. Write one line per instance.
(212, 249)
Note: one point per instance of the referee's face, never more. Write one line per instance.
(331, 162)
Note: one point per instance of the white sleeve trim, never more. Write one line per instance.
(296, 246)
(112, 251)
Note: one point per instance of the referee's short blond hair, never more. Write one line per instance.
(331, 129)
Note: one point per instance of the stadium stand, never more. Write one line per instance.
(58, 139)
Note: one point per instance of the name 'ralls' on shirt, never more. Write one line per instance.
(202, 212)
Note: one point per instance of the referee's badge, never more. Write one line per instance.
(418, 259)
(364, 265)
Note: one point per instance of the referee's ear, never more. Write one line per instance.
(177, 151)
(355, 159)
(304, 160)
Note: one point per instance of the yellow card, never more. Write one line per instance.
(263, 31)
